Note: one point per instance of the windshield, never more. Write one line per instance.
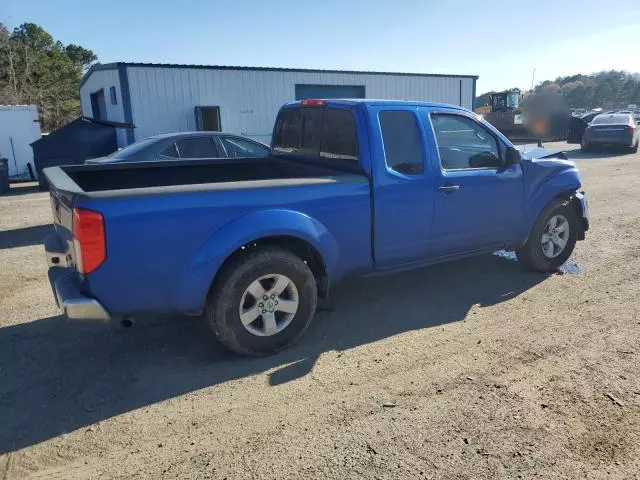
(134, 148)
(499, 100)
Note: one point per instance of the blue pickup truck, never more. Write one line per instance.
(352, 187)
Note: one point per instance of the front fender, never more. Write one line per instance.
(564, 183)
(193, 286)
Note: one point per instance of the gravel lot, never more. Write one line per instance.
(472, 369)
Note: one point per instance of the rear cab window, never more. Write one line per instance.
(613, 119)
(322, 132)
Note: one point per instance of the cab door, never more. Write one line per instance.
(478, 198)
(403, 190)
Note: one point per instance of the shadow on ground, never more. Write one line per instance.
(23, 237)
(22, 189)
(56, 378)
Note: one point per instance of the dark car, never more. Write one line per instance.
(577, 125)
(611, 130)
(187, 145)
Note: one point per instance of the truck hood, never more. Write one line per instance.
(531, 152)
(542, 165)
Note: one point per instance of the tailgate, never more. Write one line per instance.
(62, 213)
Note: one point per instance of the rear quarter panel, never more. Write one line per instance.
(163, 250)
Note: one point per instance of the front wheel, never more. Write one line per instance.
(552, 239)
(262, 302)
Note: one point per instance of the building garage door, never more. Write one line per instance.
(304, 92)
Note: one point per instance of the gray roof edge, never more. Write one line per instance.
(110, 66)
(96, 68)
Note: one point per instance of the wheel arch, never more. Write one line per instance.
(563, 184)
(543, 199)
(301, 248)
(288, 229)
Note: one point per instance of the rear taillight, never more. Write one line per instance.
(631, 129)
(88, 239)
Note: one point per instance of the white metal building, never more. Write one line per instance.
(19, 128)
(159, 98)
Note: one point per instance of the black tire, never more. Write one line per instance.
(531, 254)
(223, 304)
(634, 149)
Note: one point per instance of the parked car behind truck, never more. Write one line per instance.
(353, 187)
(186, 146)
(617, 130)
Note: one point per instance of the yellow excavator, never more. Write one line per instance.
(539, 116)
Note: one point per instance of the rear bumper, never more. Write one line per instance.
(613, 141)
(76, 307)
(67, 293)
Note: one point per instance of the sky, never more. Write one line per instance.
(501, 41)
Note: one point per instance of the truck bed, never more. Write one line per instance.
(95, 178)
(169, 225)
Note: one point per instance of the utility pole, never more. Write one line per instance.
(533, 77)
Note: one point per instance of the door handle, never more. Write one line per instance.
(449, 188)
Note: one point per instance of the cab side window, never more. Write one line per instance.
(401, 141)
(464, 143)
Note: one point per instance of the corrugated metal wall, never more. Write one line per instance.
(163, 99)
(105, 79)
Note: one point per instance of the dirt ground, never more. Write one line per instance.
(472, 369)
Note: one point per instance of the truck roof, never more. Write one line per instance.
(373, 101)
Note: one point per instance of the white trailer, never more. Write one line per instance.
(19, 127)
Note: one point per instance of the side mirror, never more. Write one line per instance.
(512, 157)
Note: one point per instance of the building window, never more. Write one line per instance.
(114, 99)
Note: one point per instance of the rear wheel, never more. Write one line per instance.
(262, 302)
(552, 239)
(634, 149)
